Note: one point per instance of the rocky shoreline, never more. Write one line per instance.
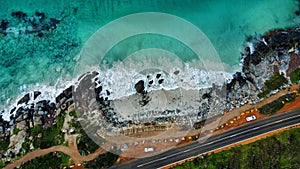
(275, 51)
(271, 53)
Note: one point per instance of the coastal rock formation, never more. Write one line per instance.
(139, 86)
(294, 63)
(274, 52)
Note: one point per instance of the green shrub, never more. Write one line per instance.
(86, 145)
(2, 164)
(50, 136)
(64, 159)
(36, 130)
(73, 114)
(4, 143)
(276, 105)
(295, 76)
(16, 131)
(102, 161)
(275, 82)
(264, 93)
(26, 146)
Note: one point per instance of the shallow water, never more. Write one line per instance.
(225, 23)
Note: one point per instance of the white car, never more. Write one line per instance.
(251, 118)
(149, 149)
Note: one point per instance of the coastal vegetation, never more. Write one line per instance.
(4, 143)
(295, 76)
(276, 105)
(16, 131)
(84, 143)
(64, 159)
(73, 114)
(36, 130)
(278, 151)
(2, 164)
(102, 161)
(275, 82)
(26, 146)
(45, 138)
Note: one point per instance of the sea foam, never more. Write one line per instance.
(121, 77)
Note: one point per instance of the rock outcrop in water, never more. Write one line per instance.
(37, 23)
(139, 86)
(40, 48)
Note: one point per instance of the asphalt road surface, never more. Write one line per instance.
(235, 135)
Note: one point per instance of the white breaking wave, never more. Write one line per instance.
(121, 78)
(145, 64)
(121, 82)
(47, 93)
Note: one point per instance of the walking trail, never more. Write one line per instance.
(71, 150)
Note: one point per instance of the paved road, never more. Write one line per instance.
(247, 131)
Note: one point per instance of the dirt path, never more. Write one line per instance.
(71, 150)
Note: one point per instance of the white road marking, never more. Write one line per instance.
(187, 150)
(219, 148)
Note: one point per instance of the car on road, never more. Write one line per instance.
(149, 149)
(251, 118)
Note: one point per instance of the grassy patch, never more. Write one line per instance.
(278, 151)
(276, 105)
(295, 76)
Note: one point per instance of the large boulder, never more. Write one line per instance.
(139, 86)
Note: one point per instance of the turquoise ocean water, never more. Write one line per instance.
(27, 60)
